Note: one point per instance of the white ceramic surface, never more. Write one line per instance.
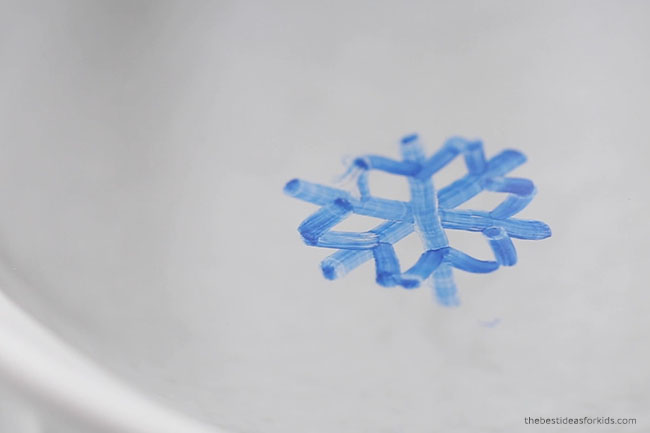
(143, 151)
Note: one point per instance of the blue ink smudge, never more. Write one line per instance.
(490, 323)
(429, 212)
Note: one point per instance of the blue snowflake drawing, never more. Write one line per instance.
(429, 212)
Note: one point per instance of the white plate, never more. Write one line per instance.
(143, 151)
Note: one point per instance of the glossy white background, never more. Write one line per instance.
(143, 150)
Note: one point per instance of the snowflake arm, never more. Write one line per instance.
(465, 262)
(502, 246)
(394, 210)
(471, 184)
(521, 192)
(477, 221)
(343, 261)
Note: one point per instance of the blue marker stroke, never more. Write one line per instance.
(429, 212)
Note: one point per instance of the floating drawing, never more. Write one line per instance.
(429, 212)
